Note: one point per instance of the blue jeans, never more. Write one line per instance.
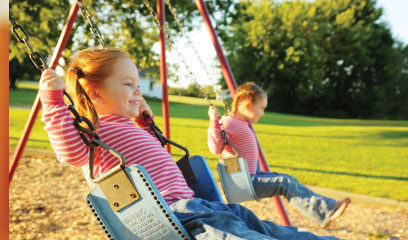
(314, 206)
(216, 220)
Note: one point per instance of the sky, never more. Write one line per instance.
(395, 14)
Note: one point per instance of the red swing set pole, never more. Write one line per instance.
(62, 42)
(163, 75)
(232, 85)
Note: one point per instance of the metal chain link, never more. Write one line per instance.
(159, 134)
(94, 29)
(89, 133)
(78, 119)
(185, 34)
(180, 56)
(34, 56)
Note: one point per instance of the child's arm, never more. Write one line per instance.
(59, 124)
(215, 141)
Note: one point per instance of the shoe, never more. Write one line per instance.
(338, 211)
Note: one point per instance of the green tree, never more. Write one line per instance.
(126, 24)
(19, 71)
(210, 91)
(324, 57)
(397, 90)
(192, 91)
(35, 17)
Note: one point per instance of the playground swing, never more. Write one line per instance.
(124, 201)
(234, 175)
(195, 169)
(96, 200)
(233, 170)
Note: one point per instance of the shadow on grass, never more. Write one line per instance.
(341, 173)
(393, 134)
(307, 135)
(31, 140)
(380, 135)
(25, 97)
(22, 97)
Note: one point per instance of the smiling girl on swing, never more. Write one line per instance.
(104, 86)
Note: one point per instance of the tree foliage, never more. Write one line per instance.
(122, 23)
(324, 57)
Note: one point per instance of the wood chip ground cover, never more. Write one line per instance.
(47, 201)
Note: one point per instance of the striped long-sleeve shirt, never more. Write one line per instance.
(240, 136)
(137, 145)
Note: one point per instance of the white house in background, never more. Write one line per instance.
(225, 94)
(149, 87)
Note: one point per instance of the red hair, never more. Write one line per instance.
(88, 70)
(247, 91)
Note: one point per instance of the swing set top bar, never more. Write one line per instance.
(226, 70)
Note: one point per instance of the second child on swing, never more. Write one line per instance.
(248, 105)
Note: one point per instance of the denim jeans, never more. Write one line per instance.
(216, 220)
(314, 206)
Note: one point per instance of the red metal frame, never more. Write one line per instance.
(37, 104)
(225, 68)
(163, 74)
(232, 85)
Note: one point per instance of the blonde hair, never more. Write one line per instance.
(88, 70)
(247, 91)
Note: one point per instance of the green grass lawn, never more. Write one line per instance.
(362, 156)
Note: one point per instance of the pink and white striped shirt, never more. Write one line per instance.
(137, 145)
(240, 136)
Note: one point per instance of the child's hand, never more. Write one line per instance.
(51, 81)
(213, 113)
(144, 107)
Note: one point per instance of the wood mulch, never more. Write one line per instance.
(47, 201)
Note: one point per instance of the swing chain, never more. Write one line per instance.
(89, 133)
(34, 56)
(180, 56)
(159, 134)
(190, 42)
(78, 119)
(95, 138)
(94, 29)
